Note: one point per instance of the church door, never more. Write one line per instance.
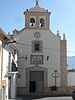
(32, 86)
(36, 83)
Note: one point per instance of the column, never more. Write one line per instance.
(13, 85)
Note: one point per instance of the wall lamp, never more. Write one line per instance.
(10, 42)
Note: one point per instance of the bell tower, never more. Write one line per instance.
(37, 18)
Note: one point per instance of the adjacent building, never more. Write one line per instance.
(42, 60)
(8, 52)
(3, 66)
(71, 80)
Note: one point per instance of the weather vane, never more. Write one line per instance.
(37, 2)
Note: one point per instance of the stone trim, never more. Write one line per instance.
(63, 66)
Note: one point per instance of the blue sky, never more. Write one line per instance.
(62, 17)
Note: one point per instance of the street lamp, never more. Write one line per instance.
(11, 42)
(7, 43)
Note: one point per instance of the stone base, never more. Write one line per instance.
(22, 90)
(47, 91)
(70, 89)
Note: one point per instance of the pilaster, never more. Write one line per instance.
(63, 66)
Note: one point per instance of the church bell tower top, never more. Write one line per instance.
(37, 17)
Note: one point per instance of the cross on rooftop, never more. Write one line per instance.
(37, 2)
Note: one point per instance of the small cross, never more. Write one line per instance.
(37, 2)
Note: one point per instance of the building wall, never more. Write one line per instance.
(5, 73)
(51, 48)
(71, 78)
(0, 67)
(0, 70)
(0, 93)
(5, 64)
(70, 81)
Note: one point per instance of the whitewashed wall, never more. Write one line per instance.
(5, 63)
(71, 78)
(50, 41)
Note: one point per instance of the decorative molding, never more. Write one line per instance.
(36, 59)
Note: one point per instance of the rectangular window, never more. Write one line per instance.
(37, 47)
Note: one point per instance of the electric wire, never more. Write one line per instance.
(44, 47)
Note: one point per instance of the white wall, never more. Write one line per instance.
(22, 80)
(5, 73)
(51, 45)
(5, 63)
(71, 78)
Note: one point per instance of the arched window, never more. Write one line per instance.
(32, 22)
(42, 22)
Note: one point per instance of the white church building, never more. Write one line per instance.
(42, 56)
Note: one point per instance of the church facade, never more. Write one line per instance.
(42, 56)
